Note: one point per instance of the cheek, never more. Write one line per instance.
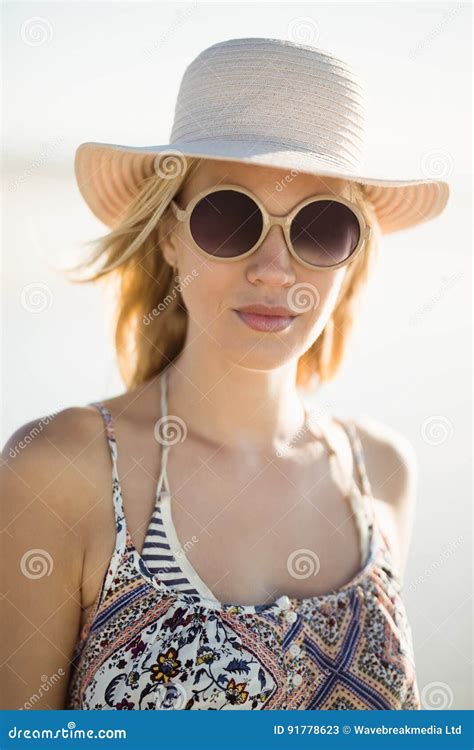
(331, 285)
(206, 287)
(316, 294)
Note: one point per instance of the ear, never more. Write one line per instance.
(166, 235)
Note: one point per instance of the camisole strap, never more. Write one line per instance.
(165, 445)
(162, 552)
(117, 491)
(358, 492)
(358, 455)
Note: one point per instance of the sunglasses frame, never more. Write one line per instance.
(270, 220)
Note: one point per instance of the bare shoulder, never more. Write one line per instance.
(64, 459)
(392, 470)
(56, 458)
(390, 459)
(59, 436)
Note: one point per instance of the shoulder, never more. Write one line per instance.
(54, 459)
(392, 469)
(56, 436)
(62, 425)
(64, 455)
(390, 460)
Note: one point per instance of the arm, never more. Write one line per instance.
(41, 564)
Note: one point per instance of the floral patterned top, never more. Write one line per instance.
(157, 638)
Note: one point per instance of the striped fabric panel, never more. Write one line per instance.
(160, 560)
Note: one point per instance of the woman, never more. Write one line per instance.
(253, 554)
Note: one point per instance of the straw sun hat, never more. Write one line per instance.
(267, 102)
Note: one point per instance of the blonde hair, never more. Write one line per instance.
(150, 319)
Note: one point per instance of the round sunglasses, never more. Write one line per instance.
(228, 222)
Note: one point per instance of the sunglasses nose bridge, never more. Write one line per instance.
(269, 221)
(274, 219)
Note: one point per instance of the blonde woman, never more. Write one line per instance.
(211, 542)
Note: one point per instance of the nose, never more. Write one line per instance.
(272, 262)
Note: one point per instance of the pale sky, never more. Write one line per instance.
(110, 71)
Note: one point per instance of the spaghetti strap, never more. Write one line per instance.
(358, 454)
(360, 492)
(163, 478)
(120, 521)
(162, 552)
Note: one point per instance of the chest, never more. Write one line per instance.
(254, 538)
(250, 530)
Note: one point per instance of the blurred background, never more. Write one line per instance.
(75, 72)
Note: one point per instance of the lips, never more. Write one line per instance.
(269, 323)
(268, 310)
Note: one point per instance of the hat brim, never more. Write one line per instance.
(110, 175)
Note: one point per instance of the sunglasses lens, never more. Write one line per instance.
(325, 233)
(226, 223)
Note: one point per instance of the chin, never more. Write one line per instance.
(262, 356)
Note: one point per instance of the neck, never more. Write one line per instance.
(226, 404)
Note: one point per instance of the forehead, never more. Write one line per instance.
(286, 185)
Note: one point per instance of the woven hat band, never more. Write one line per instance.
(233, 91)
